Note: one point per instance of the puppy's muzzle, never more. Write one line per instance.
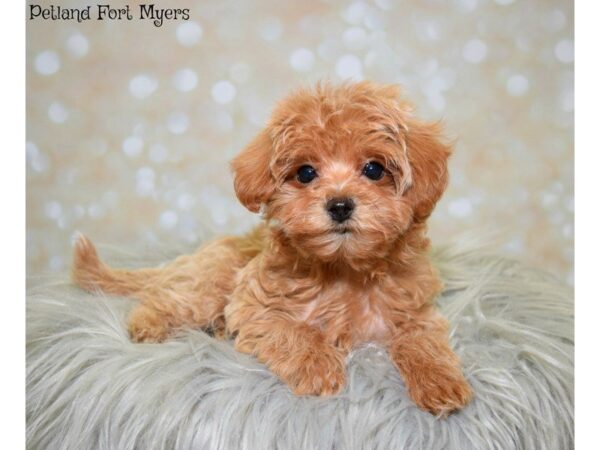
(340, 209)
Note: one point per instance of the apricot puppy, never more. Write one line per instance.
(346, 178)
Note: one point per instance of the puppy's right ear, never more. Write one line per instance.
(253, 180)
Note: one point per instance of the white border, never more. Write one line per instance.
(587, 223)
(12, 234)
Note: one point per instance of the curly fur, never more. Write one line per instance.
(302, 290)
(89, 386)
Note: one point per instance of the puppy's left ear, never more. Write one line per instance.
(253, 180)
(428, 158)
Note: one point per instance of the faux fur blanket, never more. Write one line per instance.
(89, 387)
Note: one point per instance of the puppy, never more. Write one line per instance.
(346, 178)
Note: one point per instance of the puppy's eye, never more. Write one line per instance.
(306, 174)
(373, 170)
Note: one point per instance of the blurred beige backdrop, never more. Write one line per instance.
(130, 127)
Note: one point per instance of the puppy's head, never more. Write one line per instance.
(343, 171)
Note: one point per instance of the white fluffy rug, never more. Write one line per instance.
(89, 387)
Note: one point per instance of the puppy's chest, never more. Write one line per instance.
(341, 309)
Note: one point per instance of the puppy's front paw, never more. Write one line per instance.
(315, 371)
(440, 391)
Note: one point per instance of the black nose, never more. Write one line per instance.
(340, 209)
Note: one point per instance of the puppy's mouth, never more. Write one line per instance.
(342, 229)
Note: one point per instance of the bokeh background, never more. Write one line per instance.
(130, 126)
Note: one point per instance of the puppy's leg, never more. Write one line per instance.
(191, 291)
(147, 324)
(430, 369)
(296, 352)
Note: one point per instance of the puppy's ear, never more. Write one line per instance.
(428, 158)
(253, 180)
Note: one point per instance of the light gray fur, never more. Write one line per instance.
(89, 387)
